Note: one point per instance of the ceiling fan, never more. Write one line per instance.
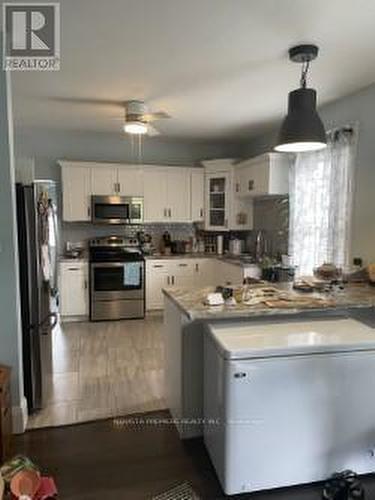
(138, 119)
(136, 116)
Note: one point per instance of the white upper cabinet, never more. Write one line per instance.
(116, 179)
(197, 194)
(217, 201)
(155, 194)
(103, 180)
(224, 211)
(217, 194)
(166, 194)
(166, 190)
(76, 192)
(178, 194)
(263, 175)
(130, 180)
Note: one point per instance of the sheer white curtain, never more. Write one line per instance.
(321, 194)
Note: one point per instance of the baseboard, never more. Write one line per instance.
(74, 319)
(19, 417)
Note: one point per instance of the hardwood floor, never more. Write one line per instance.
(104, 369)
(100, 461)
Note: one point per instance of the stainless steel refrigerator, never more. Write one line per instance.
(38, 246)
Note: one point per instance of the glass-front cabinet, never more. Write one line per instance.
(217, 201)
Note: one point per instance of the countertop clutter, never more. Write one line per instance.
(282, 301)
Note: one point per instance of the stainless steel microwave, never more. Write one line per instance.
(117, 210)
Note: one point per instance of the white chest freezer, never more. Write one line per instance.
(288, 403)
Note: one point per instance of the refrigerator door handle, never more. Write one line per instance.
(46, 320)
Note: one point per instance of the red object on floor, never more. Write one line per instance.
(47, 489)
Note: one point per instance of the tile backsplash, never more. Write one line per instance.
(271, 215)
(81, 232)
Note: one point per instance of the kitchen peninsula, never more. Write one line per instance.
(185, 322)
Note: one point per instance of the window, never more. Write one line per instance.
(321, 195)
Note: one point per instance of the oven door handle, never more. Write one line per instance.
(95, 265)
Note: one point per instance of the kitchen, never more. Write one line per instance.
(174, 234)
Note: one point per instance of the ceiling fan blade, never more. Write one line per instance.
(159, 115)
(88, 101)
(152, 131)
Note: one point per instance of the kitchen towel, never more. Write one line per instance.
(132, 274)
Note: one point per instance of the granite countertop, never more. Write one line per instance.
(191, 303)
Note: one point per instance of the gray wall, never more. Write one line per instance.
(10, 331)
(47, 146)
(356, 108)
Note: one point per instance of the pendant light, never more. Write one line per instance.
(302, 128)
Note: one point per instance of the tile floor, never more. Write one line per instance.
(102, 370)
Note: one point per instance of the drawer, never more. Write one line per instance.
(182, 266)
(155, 265)
(74, 266)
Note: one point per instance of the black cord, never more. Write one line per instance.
(305, 69)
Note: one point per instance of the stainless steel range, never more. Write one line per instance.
(117, 279)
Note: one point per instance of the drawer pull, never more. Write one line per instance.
(158, 266)
(182, 265)
(73, 269)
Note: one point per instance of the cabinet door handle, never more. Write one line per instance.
(168, 280)
(88, 211)
(201, 212)
(165, 212)
(86, 286)
(226, 223)
(170, 213)
(251, 185)
(237, 187)
(118, 187)
(196, 267)
(115, 187)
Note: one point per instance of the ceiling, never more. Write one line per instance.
(218, 67)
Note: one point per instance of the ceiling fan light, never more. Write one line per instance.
(135, 128)
(302, 128)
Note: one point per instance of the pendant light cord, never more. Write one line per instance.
(305, 69)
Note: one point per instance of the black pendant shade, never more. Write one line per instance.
(302, 128)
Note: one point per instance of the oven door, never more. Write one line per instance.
(111, 209)
(117, 280)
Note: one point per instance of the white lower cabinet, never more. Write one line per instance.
(74, 290)
(203, 272)
(157, 278)
(229, 274)
(187, 273)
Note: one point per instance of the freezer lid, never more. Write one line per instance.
(245, 340)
